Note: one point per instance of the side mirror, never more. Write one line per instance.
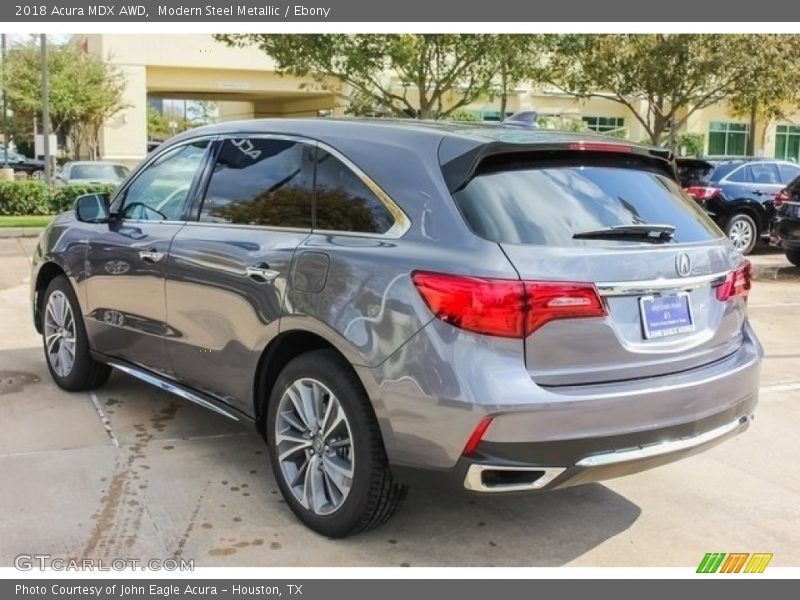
(93, 208)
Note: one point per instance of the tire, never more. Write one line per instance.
(319, 494)
(794, 257)
(62, 324)
(37, 175)
(743, 233)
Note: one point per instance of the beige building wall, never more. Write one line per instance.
(244, 82)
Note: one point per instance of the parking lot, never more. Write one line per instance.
(131, 472)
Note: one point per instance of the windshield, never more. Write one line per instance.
(548, 206)
(98, 172)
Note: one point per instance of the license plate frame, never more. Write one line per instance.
(675, 310)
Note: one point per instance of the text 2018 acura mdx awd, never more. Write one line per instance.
(516, 310)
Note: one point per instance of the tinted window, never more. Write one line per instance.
(788, 172)
(765, 173)
(161, 191)
(547, 206)
(694, 172)
(743, 175)
(99, 172)
(258, 181)
(344, 202)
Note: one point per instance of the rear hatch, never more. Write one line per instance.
(617, 222)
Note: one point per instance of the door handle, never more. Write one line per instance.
(151, 256)
(261, 273)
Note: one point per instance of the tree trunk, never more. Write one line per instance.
(750, 150)
(503, 96)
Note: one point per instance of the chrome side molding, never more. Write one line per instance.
(625, 288)
(175, 389)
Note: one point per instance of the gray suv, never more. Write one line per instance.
(507, 309)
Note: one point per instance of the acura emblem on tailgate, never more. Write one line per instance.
(682, 264)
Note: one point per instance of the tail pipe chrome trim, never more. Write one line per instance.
(540, 477)
(173, 388)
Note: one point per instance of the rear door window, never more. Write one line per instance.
(547, 206)
(765, 173)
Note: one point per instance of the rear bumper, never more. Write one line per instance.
(493, 474)
(785, 232)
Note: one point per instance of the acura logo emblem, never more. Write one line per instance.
(683, 265)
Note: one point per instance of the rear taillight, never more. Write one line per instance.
(737, 283)
(504, 307)
(600, 147)
(783, 196)
(701, 193)
(477, 436)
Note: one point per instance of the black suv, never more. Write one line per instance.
(785, 226)
(738, 193)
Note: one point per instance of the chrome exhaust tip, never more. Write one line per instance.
(497, 478)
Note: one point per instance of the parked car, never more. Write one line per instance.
(785, 226)
(91, 171)
(507, 309)
(32, 167)
(737, 193)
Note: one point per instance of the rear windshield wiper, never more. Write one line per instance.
(655, 234)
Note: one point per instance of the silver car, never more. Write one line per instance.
(507, 309)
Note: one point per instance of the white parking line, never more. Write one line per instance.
(774, 305)
(789, 386)
(103, 419)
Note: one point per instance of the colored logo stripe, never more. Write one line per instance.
(711, 562)
(734, 562)
(758, 563)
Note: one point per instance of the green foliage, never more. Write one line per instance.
(438, 73)
(34, 198)
(24, 198)
(463, 115)
(85, 91)
(673, 76)
(691, 144)
(63, 198)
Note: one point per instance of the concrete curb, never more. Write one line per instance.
(20, 232)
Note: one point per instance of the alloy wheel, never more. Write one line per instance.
(314, 446)
(741, 234)
(59, 333)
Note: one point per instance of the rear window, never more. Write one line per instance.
(694, 173)
(547, 206)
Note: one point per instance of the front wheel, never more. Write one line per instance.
(326, 449)
(66, 346)
(742, 231)
(794, 257)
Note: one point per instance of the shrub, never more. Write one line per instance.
(34, 198)
(691, 144)
(464, 115)
(64, 197)
(24, 198)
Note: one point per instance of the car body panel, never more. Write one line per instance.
(430, 383)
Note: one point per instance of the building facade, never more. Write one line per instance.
(244, 83)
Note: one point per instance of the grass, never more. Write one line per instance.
(25, 220)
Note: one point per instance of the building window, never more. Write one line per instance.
(489, 114)
(604, 124)
(727, 139)
(787, 142)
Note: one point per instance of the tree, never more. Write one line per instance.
(769, 86)
(84, 91)
(671, 76)
(437, 73)
(516, 58)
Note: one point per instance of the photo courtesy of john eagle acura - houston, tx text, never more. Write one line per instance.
(500, 308)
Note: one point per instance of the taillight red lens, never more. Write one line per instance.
(503, 307)
(699, 192)
(490, 306)
(783, 196)
(737, 283)
(548, 301)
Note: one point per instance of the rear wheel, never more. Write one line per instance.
(794, 257)
(326, 449)
(66, 346)
(742, 231)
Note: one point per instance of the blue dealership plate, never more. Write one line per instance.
(663, 316)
